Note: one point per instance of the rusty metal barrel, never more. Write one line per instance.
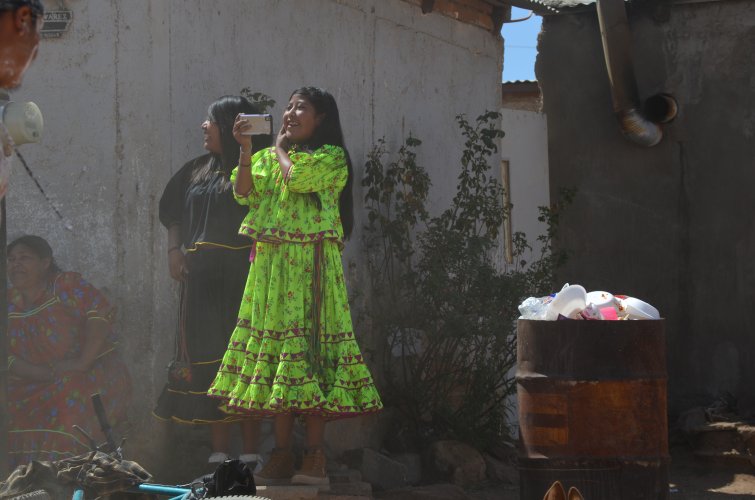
(592, 408)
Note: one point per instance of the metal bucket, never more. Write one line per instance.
(592, 408)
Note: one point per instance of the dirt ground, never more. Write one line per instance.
(690, 479)
(693, 479)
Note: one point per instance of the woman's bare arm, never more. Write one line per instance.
(29, 371)
(244, 183)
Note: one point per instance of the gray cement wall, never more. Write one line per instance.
(671, 224)
(124, 92)
(525, 146)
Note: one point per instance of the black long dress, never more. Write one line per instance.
(218, 263)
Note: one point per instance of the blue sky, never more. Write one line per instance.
(520, 46)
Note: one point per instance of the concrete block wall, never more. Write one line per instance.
(668, 224)
(125, 90)
(525, 146)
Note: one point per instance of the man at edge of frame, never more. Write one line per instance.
(20, 23)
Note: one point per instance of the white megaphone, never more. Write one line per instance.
(22, 120)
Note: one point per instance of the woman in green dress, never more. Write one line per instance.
(293, 352)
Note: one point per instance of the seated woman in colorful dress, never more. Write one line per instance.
(61, 350)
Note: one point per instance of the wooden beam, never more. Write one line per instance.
(475, 12)
(499, 15)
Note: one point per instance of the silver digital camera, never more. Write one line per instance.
(261, 124)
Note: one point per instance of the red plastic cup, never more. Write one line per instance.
(609, 313)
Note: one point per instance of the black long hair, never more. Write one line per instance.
(223, 113)
(38, 247)
(329, 132)
(37, 9)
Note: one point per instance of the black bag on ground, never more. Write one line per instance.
(232, 477)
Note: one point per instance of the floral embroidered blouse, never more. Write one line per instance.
(54, 330)
(285, 209)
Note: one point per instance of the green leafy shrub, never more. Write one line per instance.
(441, 298)
(264, 101)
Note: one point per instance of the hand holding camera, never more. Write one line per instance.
(247, 125)
(239, 127)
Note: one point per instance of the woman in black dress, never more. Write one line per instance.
(210, 259)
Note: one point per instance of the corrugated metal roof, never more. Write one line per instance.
(544, 6)
(570, 6)
(562, 4)
(550, 6)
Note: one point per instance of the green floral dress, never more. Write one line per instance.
(293, 349)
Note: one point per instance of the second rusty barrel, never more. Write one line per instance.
(592, 408)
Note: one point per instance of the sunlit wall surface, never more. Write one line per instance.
(125, 90)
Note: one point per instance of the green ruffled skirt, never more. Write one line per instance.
(278, 360)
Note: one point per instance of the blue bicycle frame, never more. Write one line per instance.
(175, 492)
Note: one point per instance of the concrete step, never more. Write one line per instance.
(732, 459)
(336, 491)
(288, 492)
(723, 437)
(719, 440)
(359, 489)
(344, 476)
(336, 496)
(724, 445)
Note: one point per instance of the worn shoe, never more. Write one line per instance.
(277, 470)
(575, 494)
(555, 492)
(312, 470)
